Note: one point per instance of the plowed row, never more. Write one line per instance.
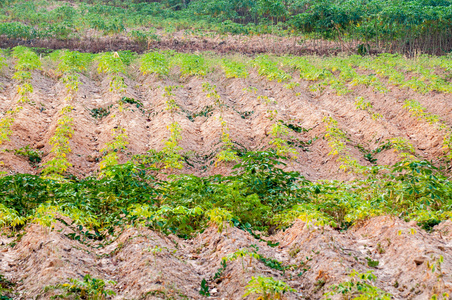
(320, 257)
(245, 116)
(147, 264)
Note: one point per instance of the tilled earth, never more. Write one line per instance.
(148, 265)
(245, 115)
(93, 41)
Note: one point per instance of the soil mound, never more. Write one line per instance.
(148, 265)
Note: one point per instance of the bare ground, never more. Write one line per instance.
(246, 117)
(95, 42)
(148, 265)
(44, 257)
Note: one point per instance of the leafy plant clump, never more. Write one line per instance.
(33, 155)
(27, 61)
(359, 287)
(88, 288)
(101, 112)
(6, 287)
(112, 149)
(257, 196)
(267, 288)
(171, 150)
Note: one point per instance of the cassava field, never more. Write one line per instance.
(266, 149)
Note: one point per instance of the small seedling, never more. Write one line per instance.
(204, 291)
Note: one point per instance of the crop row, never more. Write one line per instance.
(259, 193)
(422, 74)
(340, 74)
(26, 62)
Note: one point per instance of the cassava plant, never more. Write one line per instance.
(60, 142)
(172, 157)
(155, 63)
(337, 138)
(113, 66)
(227, 153)
(26, 62)
(234, 69)
(267, 288)
(70, 64)
(111, 150)
(89, 288)
(420, 112)
(362, 104)
(358, 287)
(278, 131)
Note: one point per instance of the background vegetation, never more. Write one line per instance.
(379, 25)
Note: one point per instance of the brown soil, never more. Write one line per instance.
(245, 115)
(181, 42)
(43, 257)
(148, 265)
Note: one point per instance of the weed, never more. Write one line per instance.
(220, 270)
(204, 290)
(137, 103)
(33, 155)
(372, 263)
(269, 262)
(5, 288)
(380, 249)
(205, 112)
(131, 101)
(88, 288)
(294, 250)
(101, 112)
